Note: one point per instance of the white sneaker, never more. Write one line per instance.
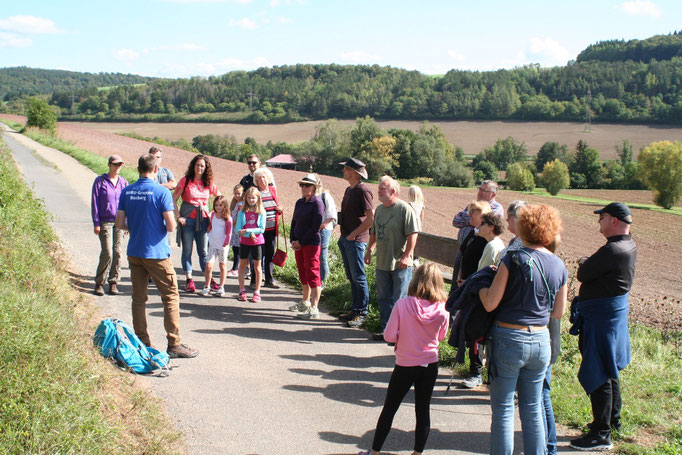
(311, 313)
(472, 381)
(205, 291)
(220, 292)
(300, 307)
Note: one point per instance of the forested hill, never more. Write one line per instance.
(659, 47)
(15, 82)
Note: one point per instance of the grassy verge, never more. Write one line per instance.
(57, 395)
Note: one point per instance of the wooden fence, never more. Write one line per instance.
(437, 249)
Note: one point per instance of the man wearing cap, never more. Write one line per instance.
(394, 234)
(146, 210)
(106, 193)
(165, 176)
(357, 215)
(600, 317)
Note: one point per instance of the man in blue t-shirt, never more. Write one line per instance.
(146, 211)
(165, 176)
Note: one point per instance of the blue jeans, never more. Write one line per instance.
(519, 361)
(353, 255)
(391, 287)
(325, 235)
(190, 236)
(550, 425)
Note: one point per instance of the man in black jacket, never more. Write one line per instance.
(606, 279)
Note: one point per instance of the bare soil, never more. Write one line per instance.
(472, 136)
(657, 291)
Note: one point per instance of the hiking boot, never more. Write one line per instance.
(256, 297)
(356, 322)
(113, 289)
(190, 286)
(311, 313)
(592, 441)
(214, 285)
(472, 381)
(345, 317)
(271, 285)
(242, 296)
(205, 292)
(300, 307)
(182, 351)
(99, 289)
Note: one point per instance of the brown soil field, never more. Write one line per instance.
(657, 291)
(472, 136)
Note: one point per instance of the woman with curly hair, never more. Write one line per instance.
(195, 189)
(528, 289)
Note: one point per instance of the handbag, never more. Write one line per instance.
(280, 256)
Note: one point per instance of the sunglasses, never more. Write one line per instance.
(252, 162)
(116, 164)
(305, 185)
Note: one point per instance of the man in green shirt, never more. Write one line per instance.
(394, 235)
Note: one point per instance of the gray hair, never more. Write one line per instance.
(492, 184)
(515, 206)
(260, 172)
(392, 183)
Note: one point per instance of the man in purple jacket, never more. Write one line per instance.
(106, 192)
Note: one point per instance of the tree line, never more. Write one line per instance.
(659, 47)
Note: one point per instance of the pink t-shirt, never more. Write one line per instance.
(196, 193)
(416, 326)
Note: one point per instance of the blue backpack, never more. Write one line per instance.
(117, 341)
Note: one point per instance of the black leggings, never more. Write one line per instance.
(235, 257)
(423, 378)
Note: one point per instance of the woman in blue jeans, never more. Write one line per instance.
(530, 286)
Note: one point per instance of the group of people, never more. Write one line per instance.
(522, 286)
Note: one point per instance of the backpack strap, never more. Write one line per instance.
(530, 262)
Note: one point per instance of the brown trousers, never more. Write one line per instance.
(163, 274)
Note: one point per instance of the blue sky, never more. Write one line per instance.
(182, 38)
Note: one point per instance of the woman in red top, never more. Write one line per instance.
(195, 189)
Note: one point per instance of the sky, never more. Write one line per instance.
(184, 38)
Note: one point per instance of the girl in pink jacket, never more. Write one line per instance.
(417, 324)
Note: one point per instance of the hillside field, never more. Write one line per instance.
(472, 136)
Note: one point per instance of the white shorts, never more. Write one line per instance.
(220, 253)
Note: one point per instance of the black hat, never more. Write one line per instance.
(617, 210)
(357, 165)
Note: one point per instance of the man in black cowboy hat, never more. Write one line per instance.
(357, 215)
(600, 317)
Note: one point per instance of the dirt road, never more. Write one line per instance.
(264, 382)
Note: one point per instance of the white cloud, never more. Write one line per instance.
(245, 23)
(456, 56)
(284, 20)
(641, 8)
(548, 52)
(213, 68)
(178, 47)
(359, 57)
(126, 55)
(28, 25)
(207, 1)
(12, 40)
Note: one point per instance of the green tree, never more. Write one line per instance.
(555, 177)
(41, 115)
(550, 151)
(586, 170)
(660, 166)
(520, 178)
(624, 152)
(505, 152)
(487, 170)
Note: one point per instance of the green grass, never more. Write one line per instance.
(57, 395)
(637, 205)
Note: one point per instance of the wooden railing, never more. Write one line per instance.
(437, 249)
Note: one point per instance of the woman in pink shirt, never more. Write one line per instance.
(195, 189)
(417, 324)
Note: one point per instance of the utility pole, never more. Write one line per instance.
(251, 100)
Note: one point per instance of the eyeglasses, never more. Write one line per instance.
(116, 164)
(484, 190)
(252, 162)
(305, 185)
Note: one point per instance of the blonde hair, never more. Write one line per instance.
(258, 208)
(225, 213)
(319, 189)
(427, 283)
(415, 194)
(481, 206)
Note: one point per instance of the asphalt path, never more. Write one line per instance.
(264, 382)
